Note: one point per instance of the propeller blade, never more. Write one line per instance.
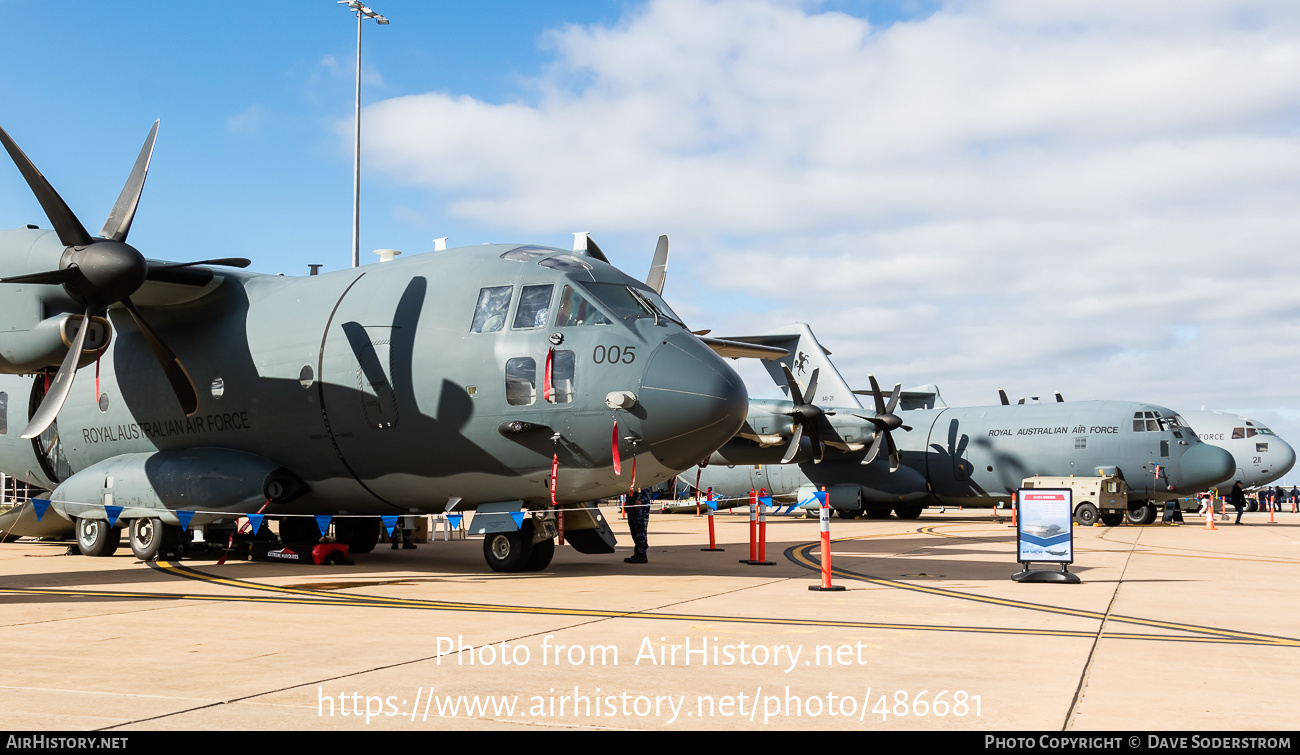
(240, 262)
(60, 386)
(795, 395)
(1003, 396)
(71, 231)
(180, 380)
(893, 398)
(810, 395)
(893, 453)
(875, 393)
(875, 448)
(815, 435)
(55, 277)
(659, 266)
(793, 448)
(119, 220)
(1059, 398)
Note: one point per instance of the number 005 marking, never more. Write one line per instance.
(614, 355)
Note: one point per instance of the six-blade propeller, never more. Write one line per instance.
(99, 272)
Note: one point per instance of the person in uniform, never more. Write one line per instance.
(638, 523)
(1238, 499)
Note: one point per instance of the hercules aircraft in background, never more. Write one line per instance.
(204, 393)
(909, 450)
(1260, 455)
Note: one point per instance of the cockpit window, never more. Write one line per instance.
(521, 381)
(562, 368)
(490, 313)
(534, 306)
(630, 303)
(575, 310)
(1152, 422)
(1238, 433)
(566, 263)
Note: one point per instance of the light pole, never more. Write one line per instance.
(362, 14)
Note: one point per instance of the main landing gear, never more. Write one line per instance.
(515, 551)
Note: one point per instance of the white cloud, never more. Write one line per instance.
(1050, 194)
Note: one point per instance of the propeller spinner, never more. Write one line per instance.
(98, 272)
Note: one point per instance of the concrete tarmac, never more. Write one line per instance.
(1172, 628)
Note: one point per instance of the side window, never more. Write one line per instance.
(1139, 424)
(575, 310)
(562, 363)
(1238, 433)
(534, 306)
(521, 381)
(4, 413)
(490, 313)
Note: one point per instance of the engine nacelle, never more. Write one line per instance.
(47, 342)
(215, 481)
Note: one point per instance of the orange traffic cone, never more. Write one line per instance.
(1209, 515)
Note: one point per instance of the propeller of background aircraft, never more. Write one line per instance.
(885, 421)
(99, 272)
(807, 416)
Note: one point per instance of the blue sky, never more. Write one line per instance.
(1097, 198)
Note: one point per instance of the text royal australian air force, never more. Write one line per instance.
(1063, 430)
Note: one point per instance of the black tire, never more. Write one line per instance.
(1252, 507)
(878, 512)
(359, 534)
(845, 514)
(509, 551)
(1142, 513)
(543, 552)
(908, 510)
(1085, 514)
(96, 538)
(1112, 520)
(299, 529)
(151, 538)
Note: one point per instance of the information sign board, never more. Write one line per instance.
(1045, 531)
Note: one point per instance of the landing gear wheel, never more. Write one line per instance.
(1085, 514)
(1143, 513)
(543, 552)
(908, 510)
(1112, 520)
(878, 512)
(846, 514)
(299, 529)
(359, 534)
(96, 538)
(151, 538)
(509, 551)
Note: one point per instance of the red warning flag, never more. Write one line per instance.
(546, 385)
(613, 442)
(555, 472)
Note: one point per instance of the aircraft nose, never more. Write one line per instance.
(693, 401)
(1204, 465)
(1283, 457)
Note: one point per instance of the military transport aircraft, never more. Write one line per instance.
(899, 459)
(1260, 455)
(455, 378)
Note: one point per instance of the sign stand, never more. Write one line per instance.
(1045, 534)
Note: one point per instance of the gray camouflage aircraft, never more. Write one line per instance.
(450, 379)
(913, 451)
